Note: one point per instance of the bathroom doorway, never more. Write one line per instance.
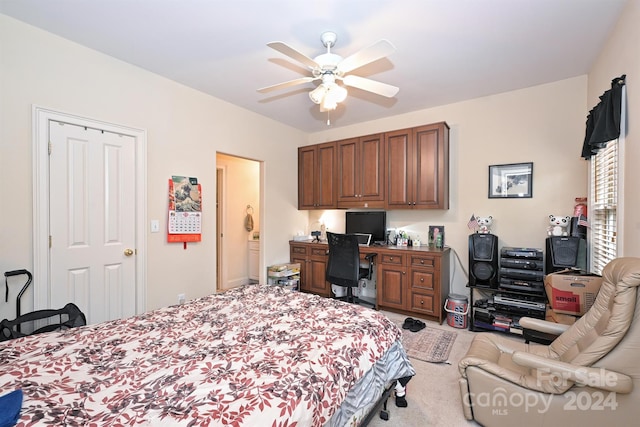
(237, 219)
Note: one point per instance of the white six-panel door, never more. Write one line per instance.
(92, 227)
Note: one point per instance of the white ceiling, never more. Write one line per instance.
(447, 50)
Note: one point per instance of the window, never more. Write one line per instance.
(604, 206)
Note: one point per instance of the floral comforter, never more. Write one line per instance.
(252, 356)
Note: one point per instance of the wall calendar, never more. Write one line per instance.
(185, 210)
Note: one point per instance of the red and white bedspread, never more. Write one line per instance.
(252, 356)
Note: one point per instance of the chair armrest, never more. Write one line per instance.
(543, 325)
(370, 256)
(599, 378)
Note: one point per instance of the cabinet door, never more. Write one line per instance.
(392, 286)
(372, 170)
(348, 176)
(298, 254)
(360, 174)
(399, 167)
(431, 178)
(392, 280)
(325, 173)
(316, 278)
(316, 170)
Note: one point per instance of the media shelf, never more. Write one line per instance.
(495, 309)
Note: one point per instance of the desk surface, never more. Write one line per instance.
(376, 248)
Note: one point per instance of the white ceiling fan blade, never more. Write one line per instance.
(378, 50)
(371, 86)
(283, 85)
(293, 54)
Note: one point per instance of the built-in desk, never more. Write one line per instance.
(410, 280)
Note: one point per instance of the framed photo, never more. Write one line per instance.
(434, 232)
(510, 181)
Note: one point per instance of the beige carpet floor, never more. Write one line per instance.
(432, 394)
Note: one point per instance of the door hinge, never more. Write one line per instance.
(49, 148)
(50, 240)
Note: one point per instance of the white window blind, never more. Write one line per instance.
(604, 196)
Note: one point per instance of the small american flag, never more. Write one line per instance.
(582, 220)
(473, 222)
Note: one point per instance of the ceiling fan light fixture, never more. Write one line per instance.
(337, 93)
(318, 94)
(328, 104)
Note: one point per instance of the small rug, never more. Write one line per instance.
(429, 344)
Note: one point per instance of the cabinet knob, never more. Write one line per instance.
(422, 279)
(421, 261)
(421, 302)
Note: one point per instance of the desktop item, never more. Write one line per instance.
(363, 239)
(367, 222)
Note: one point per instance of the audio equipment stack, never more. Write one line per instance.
(522, 270)
(516, 291)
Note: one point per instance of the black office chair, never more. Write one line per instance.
(343, 266)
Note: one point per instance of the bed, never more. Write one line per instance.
(252, 356)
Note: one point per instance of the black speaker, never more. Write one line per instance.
(483, 260)
(565, 252)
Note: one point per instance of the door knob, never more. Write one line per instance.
(128, 252)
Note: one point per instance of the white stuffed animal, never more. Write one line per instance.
(484, 224)
(559, 225)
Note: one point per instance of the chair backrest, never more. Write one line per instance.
(343, 265)
(599, 331)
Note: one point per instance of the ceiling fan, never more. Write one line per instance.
(330, 68)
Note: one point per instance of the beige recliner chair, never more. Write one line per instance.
(588, 376)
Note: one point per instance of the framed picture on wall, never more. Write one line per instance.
(514, 180)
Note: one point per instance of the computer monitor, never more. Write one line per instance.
(367, 222)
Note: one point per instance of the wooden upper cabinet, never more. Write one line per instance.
(360, 172)
(316, 172)
(417, 162)
(402, 169)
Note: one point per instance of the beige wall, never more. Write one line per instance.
(620, 56)
(542, 124)
(185, 129)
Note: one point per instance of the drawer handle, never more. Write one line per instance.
(421, 302)
(422, 279)
(421, 261)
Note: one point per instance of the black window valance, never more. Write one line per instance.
(603, 121)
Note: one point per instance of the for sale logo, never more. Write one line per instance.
(500, 401)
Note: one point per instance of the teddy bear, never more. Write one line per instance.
(484, 224)
(559, 225)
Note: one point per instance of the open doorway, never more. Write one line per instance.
(237, 220)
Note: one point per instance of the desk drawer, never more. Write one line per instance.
(424, 303)
(419, 260)
(319, 252)
(298, 250)
(421, 280)
(392, 258)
